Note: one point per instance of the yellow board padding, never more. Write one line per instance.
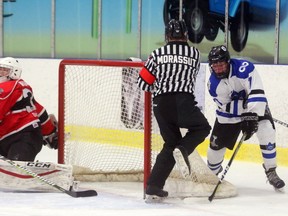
(105, 135)
(135, 139)
(249, 153)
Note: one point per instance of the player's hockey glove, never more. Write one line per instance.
(249, 124)
(51, 140)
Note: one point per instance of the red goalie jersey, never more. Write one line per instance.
(19, 109)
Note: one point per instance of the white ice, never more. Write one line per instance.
(256, 197)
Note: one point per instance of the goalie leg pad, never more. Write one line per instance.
(17, 180)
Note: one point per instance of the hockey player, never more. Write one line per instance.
(24, 124)
(170, 73)
(237, 90)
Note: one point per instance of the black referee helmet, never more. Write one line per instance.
(176, 30)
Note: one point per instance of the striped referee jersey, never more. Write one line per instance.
(171, 68)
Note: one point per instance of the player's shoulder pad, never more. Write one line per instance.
(241, 68)
(6, 88)
(212, 84)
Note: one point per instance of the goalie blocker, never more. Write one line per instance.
(17, 180)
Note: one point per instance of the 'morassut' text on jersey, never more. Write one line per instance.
(177, 59)
(170, 68)
(241, 92)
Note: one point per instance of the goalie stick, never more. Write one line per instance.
(211, 197)
(75, 194)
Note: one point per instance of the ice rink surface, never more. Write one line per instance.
(255, 197)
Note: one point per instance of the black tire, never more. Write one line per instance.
(170, 10)
(196, 19)
(239, 28)
(212, 33)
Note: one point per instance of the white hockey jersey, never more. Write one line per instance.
(241, 92)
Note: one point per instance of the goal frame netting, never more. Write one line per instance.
(61, 108)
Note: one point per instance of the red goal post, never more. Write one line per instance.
(107, 130)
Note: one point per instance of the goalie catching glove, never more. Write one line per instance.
(51, 140)
(249, 124)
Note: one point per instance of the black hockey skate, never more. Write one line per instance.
(155, 194)
(274, 179)
(182, 161)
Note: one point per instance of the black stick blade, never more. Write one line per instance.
(86, 193)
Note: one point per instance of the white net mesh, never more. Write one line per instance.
(103, 120)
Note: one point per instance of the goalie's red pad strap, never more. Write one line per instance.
(23, 176)
(147, 76)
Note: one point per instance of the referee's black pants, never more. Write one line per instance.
(174, 111)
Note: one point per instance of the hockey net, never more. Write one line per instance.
(102, 115)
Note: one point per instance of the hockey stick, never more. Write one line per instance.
(211, 197)
(280, 122)
(75, 194)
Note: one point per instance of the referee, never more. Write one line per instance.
(170, 74)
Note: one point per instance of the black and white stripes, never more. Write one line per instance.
(174, 66)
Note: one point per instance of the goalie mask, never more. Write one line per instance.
(219, 61)
(176, 30)
(10, 68)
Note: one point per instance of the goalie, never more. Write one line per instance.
(24, 123)
(25, 127)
